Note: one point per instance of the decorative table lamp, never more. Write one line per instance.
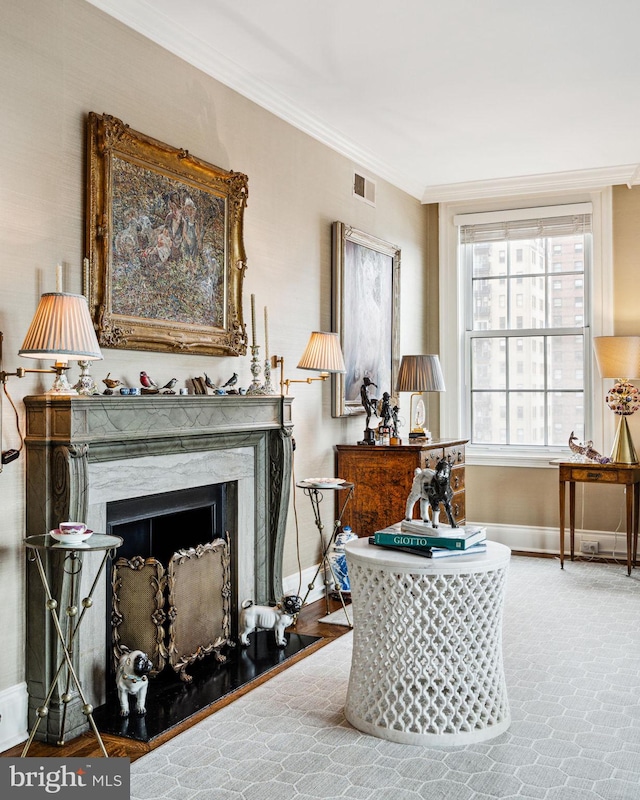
(619, 357)
(61, 330)
(419, 374)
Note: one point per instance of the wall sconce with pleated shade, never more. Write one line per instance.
(419, 374)
(618, 357)
(322, 354)
(62, 331)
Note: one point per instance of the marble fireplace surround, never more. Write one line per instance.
(83, 452)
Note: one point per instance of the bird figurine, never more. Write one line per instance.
(168, 387)
(208, 382)
(147, 381)
(110, 383)
(231, 382)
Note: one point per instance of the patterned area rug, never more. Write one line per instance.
(339, 618)
(572, 659)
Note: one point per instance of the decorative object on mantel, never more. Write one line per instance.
(365, 313)
(618, 357)
(370, 405)
(267, 386)
(204, 385)
(110, 383)
(164, 240)
(85, 384)
(256, 386)
(230, 385)
(199, 386)
(586, 450)
(147, 381)
(322, 354)
(168, 387)
(418, 374)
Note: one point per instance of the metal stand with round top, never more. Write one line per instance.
(313, 488)
(72, 564)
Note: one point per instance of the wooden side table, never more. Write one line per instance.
(627, 475)
(383, 474)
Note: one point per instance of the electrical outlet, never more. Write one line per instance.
(589, 547)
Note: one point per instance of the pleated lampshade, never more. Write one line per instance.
(62, 330)
(420, 374)
(323, 353)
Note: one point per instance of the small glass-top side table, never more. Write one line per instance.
(72, 565)
(313, 488)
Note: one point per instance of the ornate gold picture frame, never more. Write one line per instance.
(164, 241)
(366, 314)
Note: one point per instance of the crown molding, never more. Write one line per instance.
(145, 19)
(586, 179)
(141, 16)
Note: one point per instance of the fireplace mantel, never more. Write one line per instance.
(70, 441)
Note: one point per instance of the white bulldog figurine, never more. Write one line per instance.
(134, 667)
(268, 618)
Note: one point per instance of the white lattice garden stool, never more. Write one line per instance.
(427, 645)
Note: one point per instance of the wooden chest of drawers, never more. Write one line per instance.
(382, 477)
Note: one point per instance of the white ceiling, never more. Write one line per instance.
(443, 98)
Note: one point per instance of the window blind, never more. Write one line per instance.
(525, 229)
(523, 223)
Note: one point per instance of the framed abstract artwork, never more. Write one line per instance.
(366, 314)
(164, 239)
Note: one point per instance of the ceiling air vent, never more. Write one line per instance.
(364, 188)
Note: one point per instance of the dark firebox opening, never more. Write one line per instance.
(159, 525)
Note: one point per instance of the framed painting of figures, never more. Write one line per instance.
(165, 250)
(366, 314)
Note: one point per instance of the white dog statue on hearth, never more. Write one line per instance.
(268, 618)
(132, 678)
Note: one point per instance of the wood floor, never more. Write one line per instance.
(86, 746)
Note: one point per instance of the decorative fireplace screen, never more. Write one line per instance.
(178, 615)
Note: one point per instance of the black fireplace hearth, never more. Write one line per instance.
(171, 702)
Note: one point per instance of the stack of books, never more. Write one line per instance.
(419, 538)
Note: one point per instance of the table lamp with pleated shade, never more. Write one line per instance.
(418, 374)
(619, 357)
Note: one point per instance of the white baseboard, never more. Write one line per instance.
(547, 540)
(13, 716)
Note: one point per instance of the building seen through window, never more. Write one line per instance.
(526, 336)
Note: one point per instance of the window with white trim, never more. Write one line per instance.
(526, 362)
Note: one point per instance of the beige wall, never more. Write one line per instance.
(61, 59)
(529, 497)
